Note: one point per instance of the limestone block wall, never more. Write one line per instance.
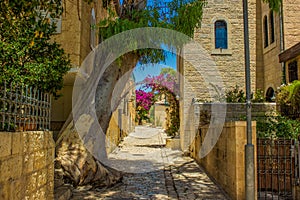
(229, 62)
(26, 165)
(113, 133)
(234, 111)
(121, 124)
(291, 22)
(160, 115)
(269, 70)
(272, 69)
(75, 40)
(226, 162)
(202, 113)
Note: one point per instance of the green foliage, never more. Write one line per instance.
(288, 96)
(274, 4)
(237, 95)
(27, 54)
(186, 16)
(277, 126)
(258, 96)
(168, 70)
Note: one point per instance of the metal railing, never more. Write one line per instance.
(24, 108)
(277, 168)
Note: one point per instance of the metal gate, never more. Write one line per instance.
(277, 168)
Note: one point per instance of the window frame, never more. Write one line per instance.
(272, 27)
(265, 31)
(225, 34)
(293, 71)
(220, 51)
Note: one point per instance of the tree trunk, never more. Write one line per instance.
(79, 165)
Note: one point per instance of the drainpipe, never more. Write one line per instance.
(282, 45)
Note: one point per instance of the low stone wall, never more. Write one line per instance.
(236, 111)
(26, 165)
(226, 162)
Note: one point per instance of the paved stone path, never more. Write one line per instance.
(153, 172)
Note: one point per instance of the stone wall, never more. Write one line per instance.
(269, 70)
(271, 76)
(235, 111)
(230, 65)
(226, 161)
(160, 115)
(75, 40)
(26, 165)
(291, 22)
(201, 113)
(123, 118)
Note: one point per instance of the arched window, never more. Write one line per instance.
(221, 35)
(272, 27)
(270, 95)
(266, 34)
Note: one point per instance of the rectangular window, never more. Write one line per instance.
(293, 71)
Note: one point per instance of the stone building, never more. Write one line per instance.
(291, 59)
(78, 36)
(276, 32)
(217, 62)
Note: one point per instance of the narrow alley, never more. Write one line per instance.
(153, 172)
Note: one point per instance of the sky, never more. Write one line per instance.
(142, 71)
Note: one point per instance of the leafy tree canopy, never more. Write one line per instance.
(165, 84)
(179, 15)
(274, 4)
(27, 55)
(168, 70)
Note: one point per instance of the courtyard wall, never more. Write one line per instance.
(26, 165)
(225, 163)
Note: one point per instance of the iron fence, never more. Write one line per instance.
(24, 108)
(277, 168)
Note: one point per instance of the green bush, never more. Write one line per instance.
(237, 95)
(288, 97)
(28, 54)
(276, 126)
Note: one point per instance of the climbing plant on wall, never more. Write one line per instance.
(144, 101)
(165, 85)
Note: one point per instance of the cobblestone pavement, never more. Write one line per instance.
(153, 172)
